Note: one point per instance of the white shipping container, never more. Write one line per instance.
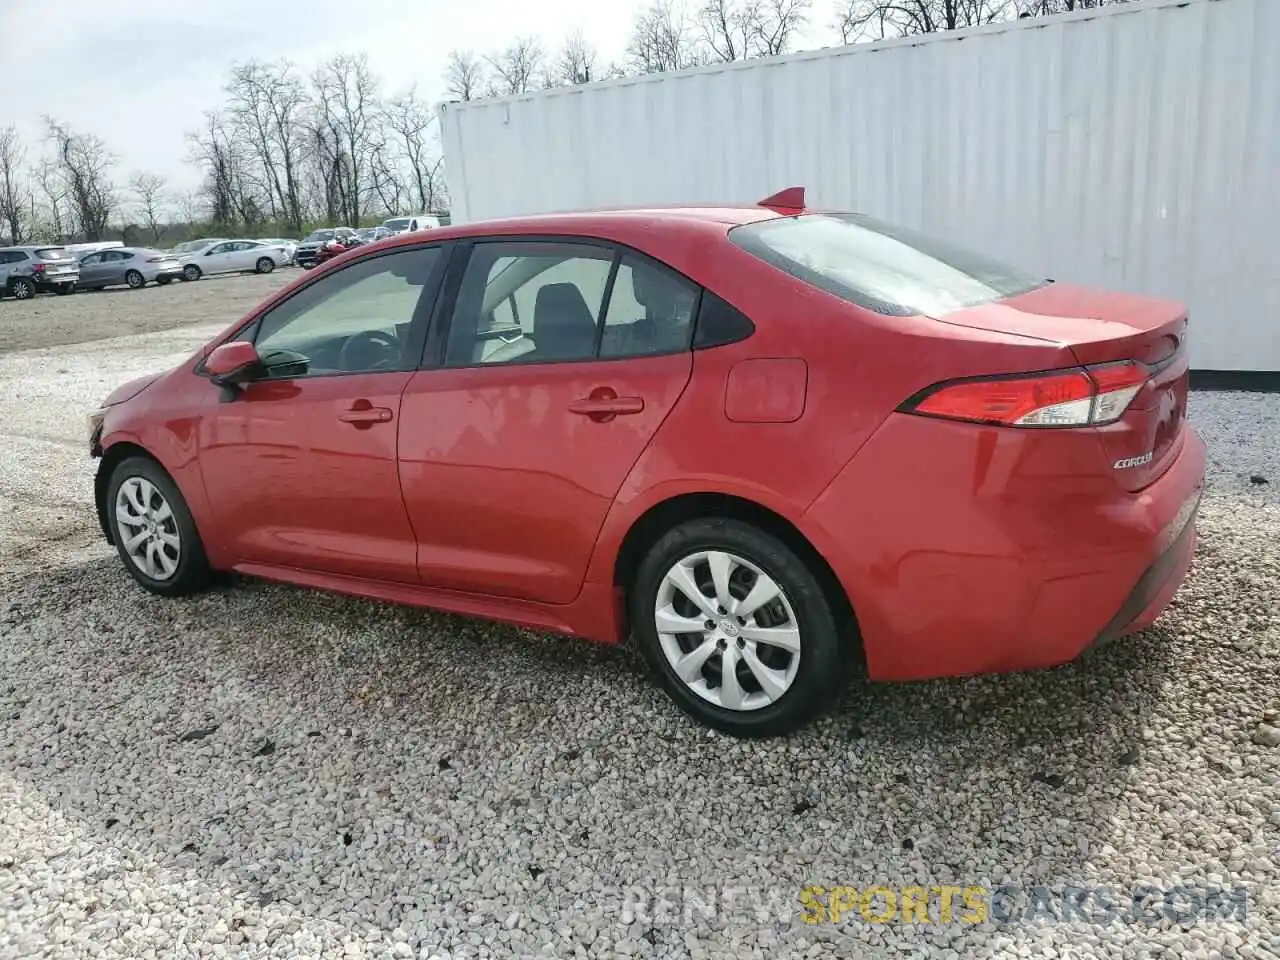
(1135, 147)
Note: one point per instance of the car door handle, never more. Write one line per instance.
(365, 414)
(599, 407)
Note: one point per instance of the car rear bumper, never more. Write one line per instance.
(990, 552)
(53, 283)
(173, 272)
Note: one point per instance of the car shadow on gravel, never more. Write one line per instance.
(337, 757)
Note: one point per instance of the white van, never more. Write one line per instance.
(419, 221)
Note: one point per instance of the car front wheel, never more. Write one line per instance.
(153, 529)
(22, 289)
(265, 265)
(737, 628)
(190, 272)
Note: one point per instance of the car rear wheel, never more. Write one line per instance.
(190, 272)
(265, 265)
(153, 529)
(22, 289)
(737, 628)
(135, 280)
(65, 288)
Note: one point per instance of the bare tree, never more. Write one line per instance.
(15, 196)
(86, 166)
(215, 148)
(266, 102)
(1040, 8)
(464, 75)
(662, 40)
(515, 67)
(728, 28)
(346, 131)
(150, 199)
(776, 24)
(878, 19)
(409, 121)
(53, 194)
(576, 63)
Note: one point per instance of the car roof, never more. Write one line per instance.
(620, 225)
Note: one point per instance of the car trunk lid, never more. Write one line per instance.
(1100, 328)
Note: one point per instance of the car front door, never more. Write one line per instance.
(300, 466)
(91, 271)
(545, 394)
(215, 259)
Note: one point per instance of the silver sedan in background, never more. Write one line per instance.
(134, 267)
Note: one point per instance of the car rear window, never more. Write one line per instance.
(52, 253)
(321, 235)
(880, 267)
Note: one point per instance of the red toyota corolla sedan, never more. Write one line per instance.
(765, 442)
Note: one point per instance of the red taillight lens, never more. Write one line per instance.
(37, 268)
(1077, 397)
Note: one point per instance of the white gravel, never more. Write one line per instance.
(266, 771)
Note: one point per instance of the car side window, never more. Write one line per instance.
(357, 320)
(219, 248)
(88, 261)
(529, 302)
(651, 311)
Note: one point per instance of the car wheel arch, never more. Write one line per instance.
(669, 513)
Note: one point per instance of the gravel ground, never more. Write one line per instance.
(49, 321)
(268, 771)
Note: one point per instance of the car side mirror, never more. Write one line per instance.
(231, 364)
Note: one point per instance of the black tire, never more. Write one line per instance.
(135, 280)
(265, 265)
(164, 281)
(22, 289)
(191, 272)
(65, 288)
(308, 265)
(192, 571)
(823, 669)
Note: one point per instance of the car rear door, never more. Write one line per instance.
(300, 467)
(551, 382)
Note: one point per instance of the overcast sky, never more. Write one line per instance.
(139, 73)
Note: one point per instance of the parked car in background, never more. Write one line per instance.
(419, 221)
(134, 267)
(233, 256)
(764, 442)
(307, 254)
(372, 234)
(26, 271)
(78, 250)
(195, 246)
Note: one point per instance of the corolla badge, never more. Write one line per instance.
(1133, 461)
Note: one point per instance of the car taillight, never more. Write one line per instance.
(37, 268)
(156, 259)
(1077, 397)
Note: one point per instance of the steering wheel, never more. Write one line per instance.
(369, 350)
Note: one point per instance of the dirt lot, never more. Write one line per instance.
(263, 771)
(48, 321)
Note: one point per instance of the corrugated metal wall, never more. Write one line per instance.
(1136, 148)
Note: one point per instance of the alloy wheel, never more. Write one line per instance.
(727, 630)
(147, 528)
